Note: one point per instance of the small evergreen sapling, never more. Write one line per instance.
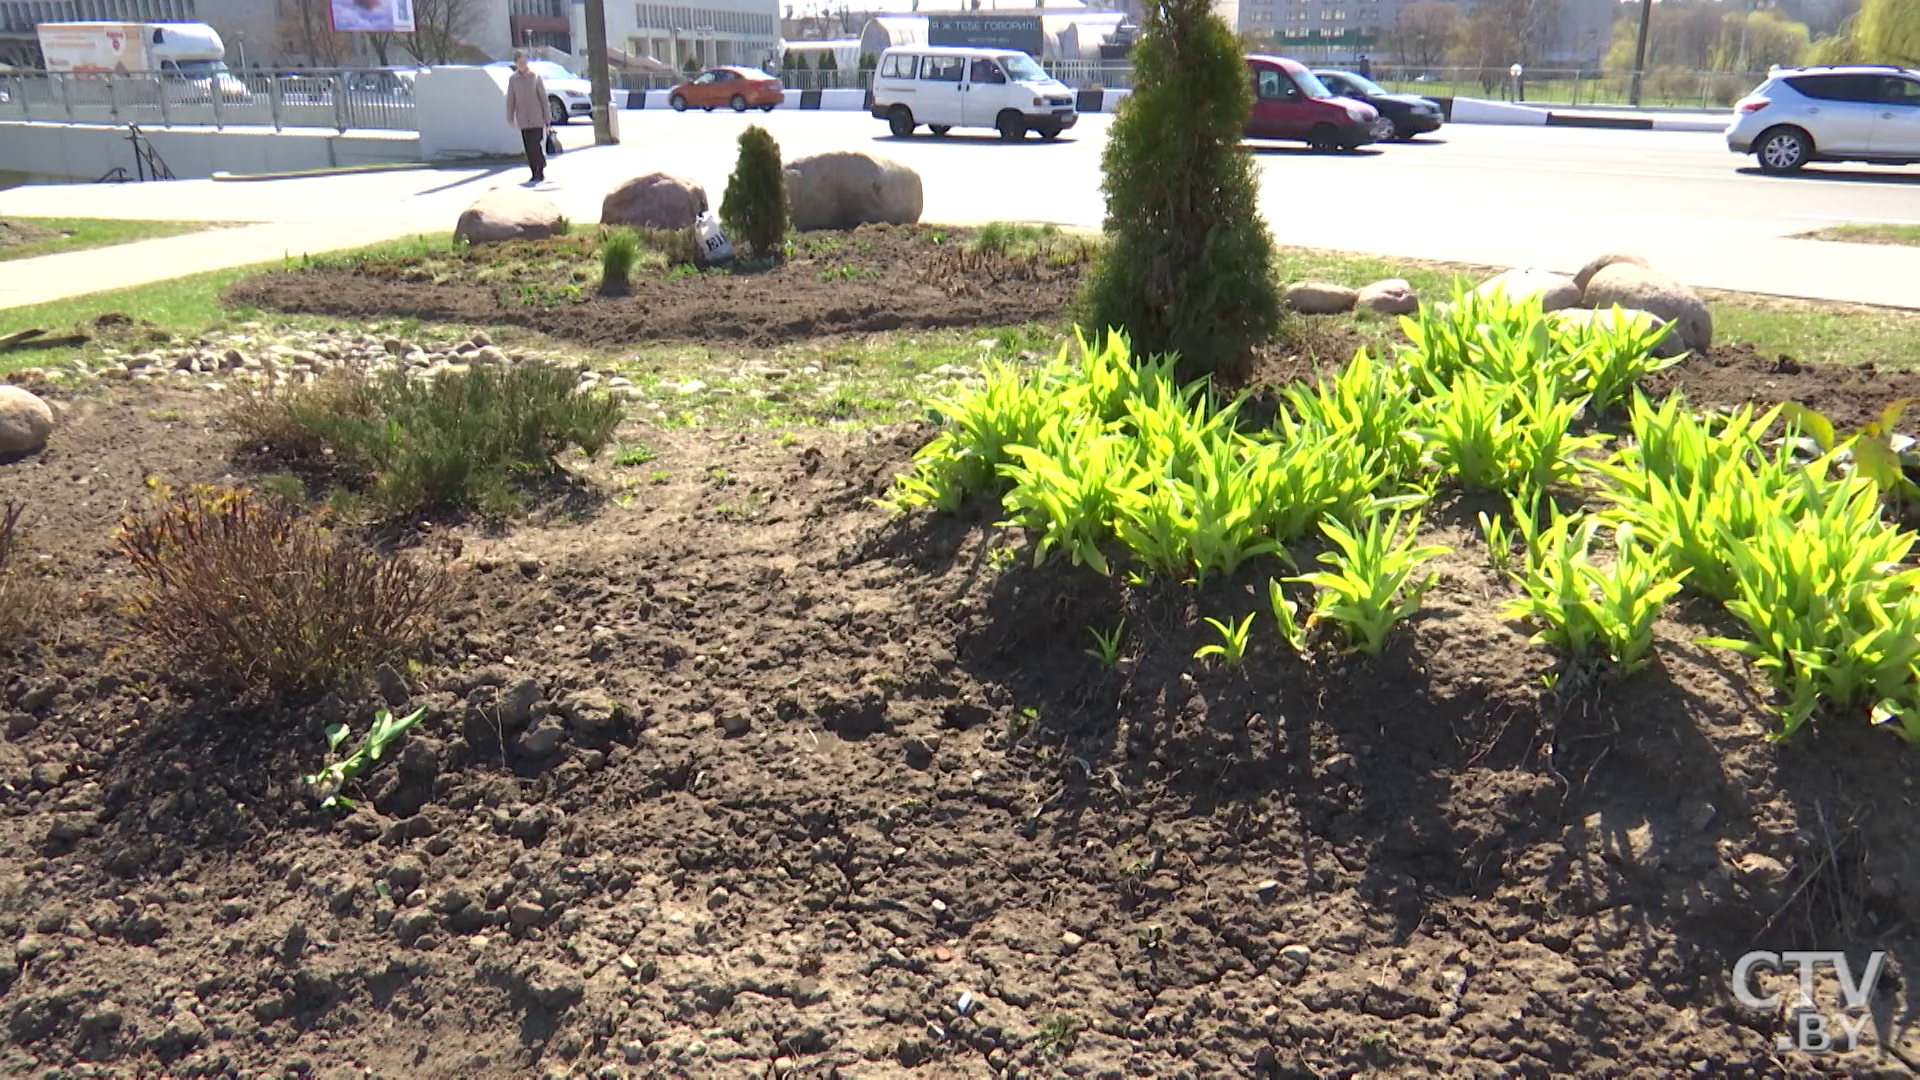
(754, 209)
(1188, 262)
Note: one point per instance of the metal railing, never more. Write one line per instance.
(341, 100)
(1662, 87)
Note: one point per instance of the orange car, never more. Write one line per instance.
(742, 88)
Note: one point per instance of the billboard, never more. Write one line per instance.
(985, 31)
(94, 48)
(372, 16)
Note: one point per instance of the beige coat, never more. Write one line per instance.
(526, 101)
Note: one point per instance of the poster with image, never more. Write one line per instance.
(372, 16)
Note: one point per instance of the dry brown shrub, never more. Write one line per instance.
(238, 589)
(23, 595)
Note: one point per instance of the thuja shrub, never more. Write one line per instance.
(754, 209)
(1187, 267)
(239, 591)
(460, 440)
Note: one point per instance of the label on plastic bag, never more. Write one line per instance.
(714, 245)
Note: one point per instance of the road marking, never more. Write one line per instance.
(1852, 220)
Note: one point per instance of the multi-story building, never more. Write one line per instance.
(707, 32)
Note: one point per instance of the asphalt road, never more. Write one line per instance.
(1506, 196)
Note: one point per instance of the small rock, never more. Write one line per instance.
(1297, 957)
(1758, 869)
(1700, 815)
(718, 898)
(31, 947)
(406, 873)
(1070, 942)
(633, 1053)
(628, 965)
(1394, 296)
(409, 925)
(525, 915)
(516, 710)
(25, 422)
(1319, 298)
(392, 686)
(734, 722)
(1525, 283)
(544, 739)
(481, 340)
(1339, 765)
(185, 1030)
(1266, 889)
(488, 354)
(553, 986)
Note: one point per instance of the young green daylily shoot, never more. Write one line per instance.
(330, 781)
(1107, 646)
(1232, 647)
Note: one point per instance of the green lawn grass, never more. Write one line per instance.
(79, 234)
(1904, 235)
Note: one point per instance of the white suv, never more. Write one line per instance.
(1801, 115)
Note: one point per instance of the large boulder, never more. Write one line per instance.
(1668, 346)
(1594, 266)
(844, 188)
(25, 422)
(508, 214)
(1319, 298)
(1640, 289)
(1394, 296)
(1554, 291)
(655, 201)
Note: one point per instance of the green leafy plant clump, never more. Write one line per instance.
(754, 208)
(619, 253)
(331, 781)
(458, 440)
(246, 594)
(1186, 266)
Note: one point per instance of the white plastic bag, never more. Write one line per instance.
(714, 245)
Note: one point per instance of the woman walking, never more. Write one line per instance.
(527, 110)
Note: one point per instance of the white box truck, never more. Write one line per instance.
(190, 52)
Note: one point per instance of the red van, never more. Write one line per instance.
(1290, 103)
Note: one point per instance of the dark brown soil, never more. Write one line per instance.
(876, 278)
(823, 773)
(15, 233)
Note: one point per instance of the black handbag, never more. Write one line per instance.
(553, 144)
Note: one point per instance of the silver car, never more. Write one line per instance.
(1855, 113)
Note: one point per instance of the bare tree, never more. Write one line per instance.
(1424, 32)
(441, 28)
(381, 43)
(307, 31)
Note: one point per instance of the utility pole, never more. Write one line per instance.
(1639, 50)
(602, 96)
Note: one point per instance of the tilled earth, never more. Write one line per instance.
(741, 777)
(875, 278)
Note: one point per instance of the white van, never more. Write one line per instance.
(946, 88)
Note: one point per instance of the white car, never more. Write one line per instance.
(568, 95)
(946, 88)
(1855, 113)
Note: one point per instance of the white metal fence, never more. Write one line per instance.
(341, 100)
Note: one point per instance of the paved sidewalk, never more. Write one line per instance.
(75, 273)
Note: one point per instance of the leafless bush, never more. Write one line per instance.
(297, 421)
(246, 594)
(22, 595)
